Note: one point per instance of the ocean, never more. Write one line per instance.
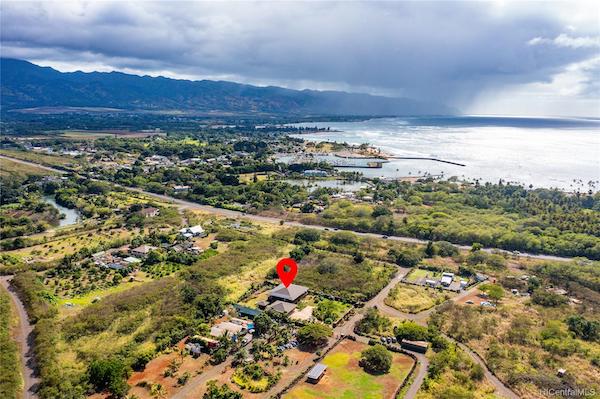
(542, 152)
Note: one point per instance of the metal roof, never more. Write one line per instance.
(316, 372)
(246, 310)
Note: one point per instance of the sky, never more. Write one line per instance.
(497, 57)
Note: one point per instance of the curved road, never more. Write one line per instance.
(378, 301)
(501, 389)
(24, 338)
(183, 204)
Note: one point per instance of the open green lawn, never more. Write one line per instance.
(345, 379)
(414, 299)
(418, 274)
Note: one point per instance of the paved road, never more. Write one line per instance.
(421, 318)
(24, 338)
(420, 374)
(501, 389)
(266, 219)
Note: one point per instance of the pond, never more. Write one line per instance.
(71, 215)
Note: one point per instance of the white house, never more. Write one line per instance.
(193, 231)
(447, 279)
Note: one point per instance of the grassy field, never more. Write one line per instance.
(345, 379)
(340, 275)
(57, 249)
(45, 159)
(81, 301)
(11, 168)
(249, 177)
(10, 378)
(414, 299)
(419, 274)
(238, 283)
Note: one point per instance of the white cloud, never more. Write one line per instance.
(564, 40)
(444, 51)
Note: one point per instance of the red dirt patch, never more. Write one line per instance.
(153, 373)
(473, 296)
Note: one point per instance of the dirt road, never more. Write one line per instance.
(24, 338)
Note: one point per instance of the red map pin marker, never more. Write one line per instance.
(287, 276)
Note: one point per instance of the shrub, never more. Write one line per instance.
(407, 257)
(373, 322)
(547, 299)
(411, 331)
(314, 334)
(343, 238)
(588, 330)
(328, 310)
(446, 249)
(108, 375)
(307, 235)
(381, 210)
(222, 392)
(376, 359)
(477, 372)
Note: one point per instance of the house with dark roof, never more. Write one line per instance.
(282, 307)
(292, 293)
(246, 311)
(142, 250)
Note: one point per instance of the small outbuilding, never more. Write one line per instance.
(316, 373)
(415, 346)
(132, 259)
(150, 212)
(431, 283)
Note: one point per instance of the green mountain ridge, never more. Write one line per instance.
(26, 85)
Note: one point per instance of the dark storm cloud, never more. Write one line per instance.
(442, 51)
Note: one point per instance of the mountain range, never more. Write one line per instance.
(25, 85)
